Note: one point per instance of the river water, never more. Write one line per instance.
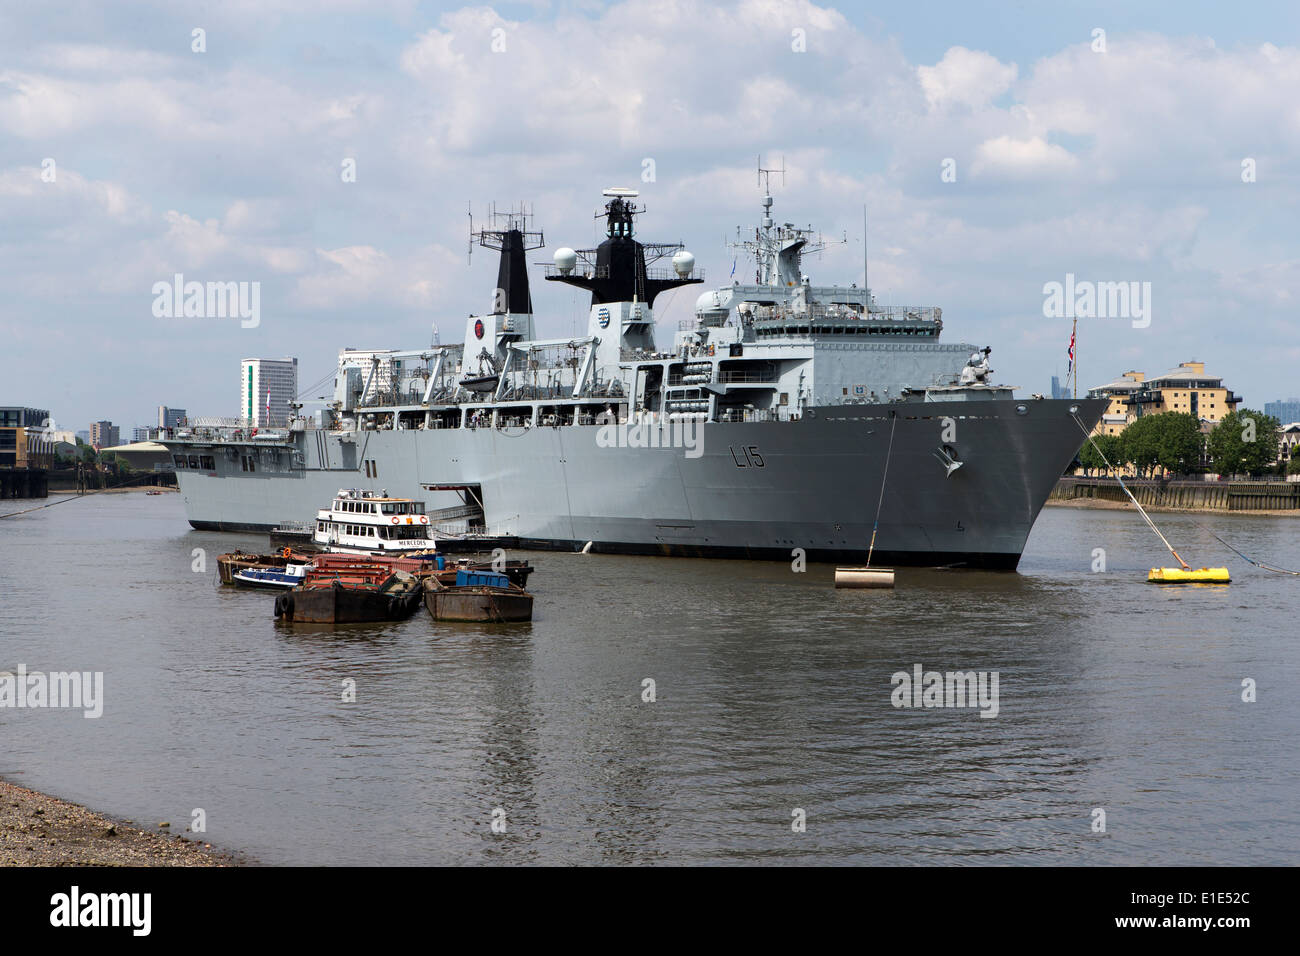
(772, 696)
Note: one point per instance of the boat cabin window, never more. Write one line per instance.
(414, 532)
(180, 460)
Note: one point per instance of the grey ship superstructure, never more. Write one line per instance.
(762, 429)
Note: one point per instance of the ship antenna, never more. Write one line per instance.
(765, 182)
(469, 211)
(865, 283)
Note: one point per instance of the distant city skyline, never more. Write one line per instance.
(1285, 412)
(169, 417)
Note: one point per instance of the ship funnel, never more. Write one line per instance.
(510, 235)
(512, 293)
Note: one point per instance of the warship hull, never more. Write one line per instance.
(744, 490)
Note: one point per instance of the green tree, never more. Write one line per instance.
(1092, 460)
(1089, 460)
(1178, 442)
(1244, 440)
(1139, 443)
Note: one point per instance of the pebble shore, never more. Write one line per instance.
(39, 830)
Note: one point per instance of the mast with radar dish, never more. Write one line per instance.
(620, 276)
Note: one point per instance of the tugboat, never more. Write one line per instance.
(362, 522)
(358, 593)
(271, 578)
(477, 596)
(232, 563)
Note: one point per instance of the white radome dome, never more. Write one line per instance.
(566, 260)
(716, 300)
(683, 263)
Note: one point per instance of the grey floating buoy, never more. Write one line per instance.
(864, 577)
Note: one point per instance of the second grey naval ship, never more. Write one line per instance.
(768, 425)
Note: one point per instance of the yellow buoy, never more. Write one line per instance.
(864, 577)
(1180, 575)
(1188, 576)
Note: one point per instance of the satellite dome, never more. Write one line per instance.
(565, 260)
(716, 300)
(683, 263)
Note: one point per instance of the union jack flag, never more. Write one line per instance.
(1071, 353)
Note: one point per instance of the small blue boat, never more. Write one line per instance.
(291, 575)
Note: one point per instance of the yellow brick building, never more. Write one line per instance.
(1185, 389)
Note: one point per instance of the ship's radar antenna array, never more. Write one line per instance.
(516, 219)
(619, 214)
(778, 250)
(620, 269)
(765, 183)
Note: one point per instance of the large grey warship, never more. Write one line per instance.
(762, 430)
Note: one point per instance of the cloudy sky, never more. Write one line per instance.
(1126, 164)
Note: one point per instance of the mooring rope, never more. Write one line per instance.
(1152, 524)
(1258, 564)
(893, 420)
(1249, 560)
(84, 494)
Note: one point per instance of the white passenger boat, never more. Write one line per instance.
(366, 522)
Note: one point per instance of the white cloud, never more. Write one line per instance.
(27, 197)
(1019, 158)
(965, 77)
(366, 277)
(227, 165)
